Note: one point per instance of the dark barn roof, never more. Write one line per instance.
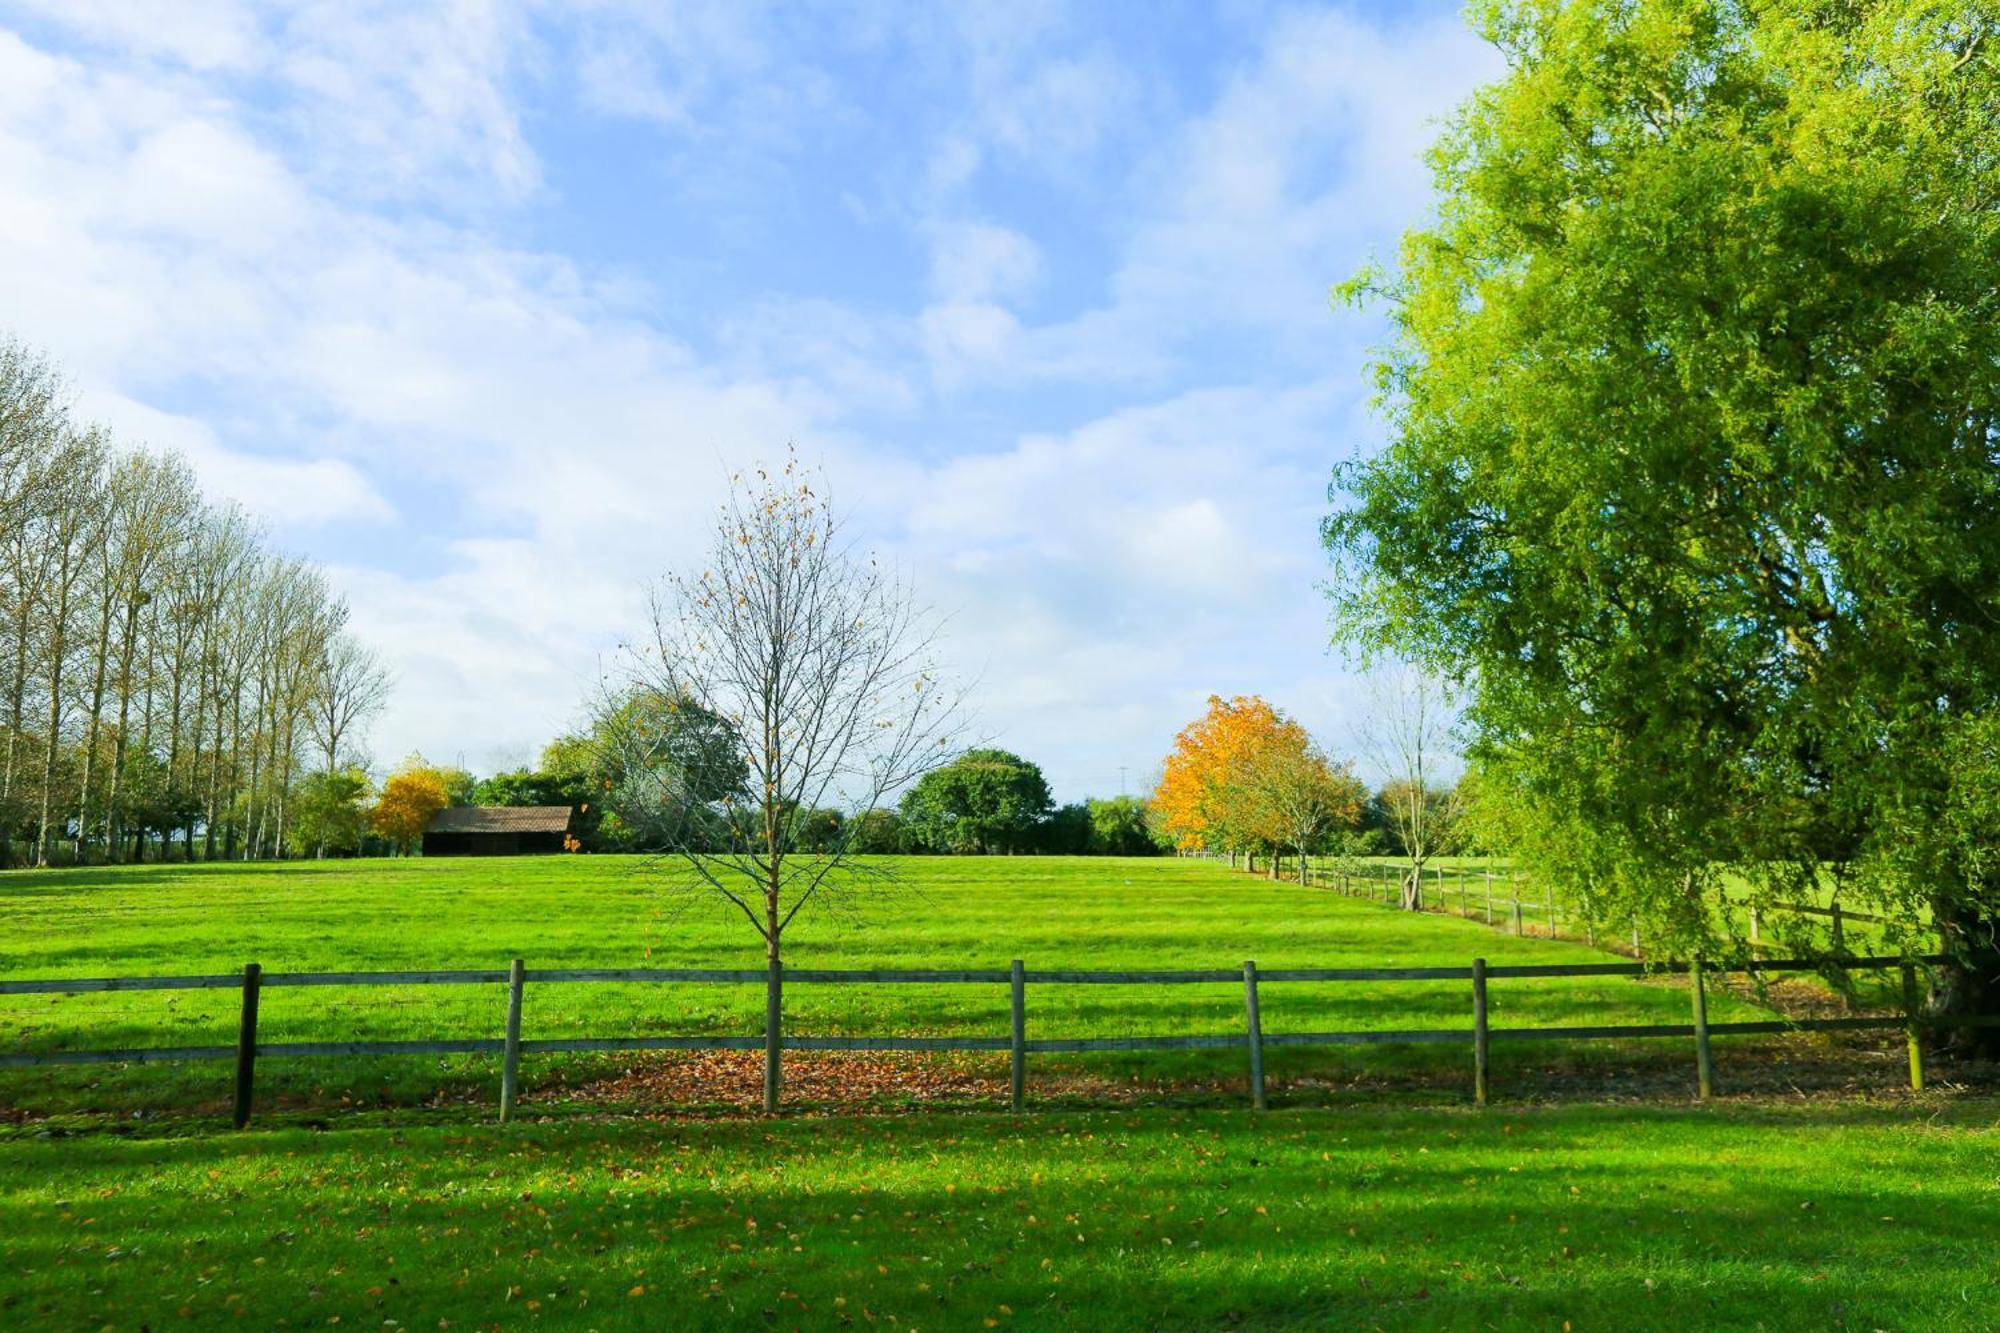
(501, 819)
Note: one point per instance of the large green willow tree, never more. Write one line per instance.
(1694, 470)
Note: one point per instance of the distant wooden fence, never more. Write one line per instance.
(253, 981)
(1468, 893)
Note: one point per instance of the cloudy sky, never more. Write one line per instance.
(479, 303)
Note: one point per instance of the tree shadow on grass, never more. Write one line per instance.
(1606, 1217)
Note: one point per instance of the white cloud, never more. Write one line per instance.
(1060, 110)
(1103, 580)
(981, 261)
(1307, 160)
(391, 99)
(297, 493)
(498, 442)
(202, 34)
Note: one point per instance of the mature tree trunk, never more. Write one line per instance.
(1969, 985)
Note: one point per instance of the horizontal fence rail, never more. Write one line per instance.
(1253, 1039)
(913, 976)
(1472, 891)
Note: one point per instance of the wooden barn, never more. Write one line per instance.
(498, 830)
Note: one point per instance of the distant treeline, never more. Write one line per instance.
(984, 802)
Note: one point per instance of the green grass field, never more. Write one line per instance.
(1370, 1197)
(1823, 1215)
(609, 912)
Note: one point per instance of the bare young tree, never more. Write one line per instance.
(1407, 736)
(813, 672)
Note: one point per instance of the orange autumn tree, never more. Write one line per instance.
(409, 800)
(1246, 778)
(1200, 796)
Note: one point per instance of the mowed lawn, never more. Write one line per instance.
(1823, 1215)
(1089, 913)
(345, 1205)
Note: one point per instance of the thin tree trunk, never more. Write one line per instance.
(17, 698)
(774, 1015)
(235, 766)
(92, 732)
(58, 646)
(284, 789)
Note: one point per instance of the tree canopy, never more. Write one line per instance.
(410, 797)
(1694, 470)
(1245, 777)
(982, 801)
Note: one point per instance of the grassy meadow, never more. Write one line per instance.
(620, 912)
(1371, 1196)
(1829, 1215)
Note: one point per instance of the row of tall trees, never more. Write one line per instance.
(166, 679)
(1245, 779)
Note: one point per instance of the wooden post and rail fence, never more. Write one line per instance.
(254, 981)
(1382, 882)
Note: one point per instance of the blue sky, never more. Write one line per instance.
(479, 303)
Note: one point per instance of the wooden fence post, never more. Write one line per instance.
(1637, 952)
(1256, 1036)
(1549, 897)
(1479, 1037)
(1018, 1074)
(1912, 1031)
(1753, 924)
(510, 1059)
(1839, 950)
(1489, 897)
(1704, 1065)
(246, 1043)
(1519, 927)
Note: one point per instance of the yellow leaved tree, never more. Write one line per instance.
(1244, 778)
(1198, 796)
(413, 794)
